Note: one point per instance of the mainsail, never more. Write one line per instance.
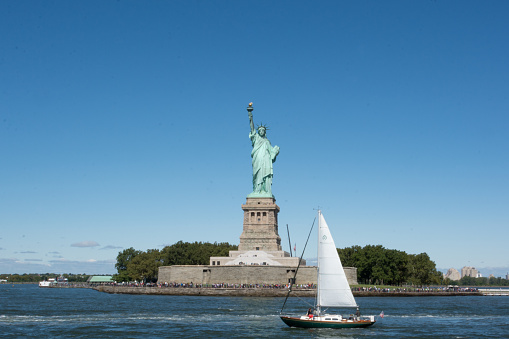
(333, 288)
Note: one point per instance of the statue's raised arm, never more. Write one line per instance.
(263, 155)
(250, 114)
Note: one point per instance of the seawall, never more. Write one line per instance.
(262, 292)
(212, 292)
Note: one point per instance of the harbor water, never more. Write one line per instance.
(30, 311)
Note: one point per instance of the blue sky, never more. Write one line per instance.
(123, 124)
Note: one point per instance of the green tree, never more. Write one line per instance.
(397, 267)
(76, 277)
(123, 259)
(349, 256)
(378, 265)
(197, 253)
(144, 266)
(422, 270)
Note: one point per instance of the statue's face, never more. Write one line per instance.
(261, 131)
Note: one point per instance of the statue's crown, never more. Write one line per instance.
(261, 125)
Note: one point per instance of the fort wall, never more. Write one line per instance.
(207, 274)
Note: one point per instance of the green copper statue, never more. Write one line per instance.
(263, 155)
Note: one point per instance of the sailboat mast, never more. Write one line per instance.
(318, 282)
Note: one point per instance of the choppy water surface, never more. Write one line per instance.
(30, 311)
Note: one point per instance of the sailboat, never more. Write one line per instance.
(333, 290)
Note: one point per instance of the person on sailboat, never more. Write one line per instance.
(310, 313)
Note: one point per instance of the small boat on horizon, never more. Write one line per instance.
(53, 282)
(47, 283)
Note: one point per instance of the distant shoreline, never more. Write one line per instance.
(262, 292)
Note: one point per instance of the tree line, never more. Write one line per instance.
(144, 266)
(378, 265)
(482, 281)
(35, 277)
(375, 264)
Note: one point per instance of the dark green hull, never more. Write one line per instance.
(304, 323)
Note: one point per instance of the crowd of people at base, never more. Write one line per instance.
(221, 285)
(296, 286)
(412, 289)
(225, 285)
(85, 284)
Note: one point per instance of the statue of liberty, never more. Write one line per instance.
(263, 155)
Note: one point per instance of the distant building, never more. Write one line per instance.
(507, 276)
(491, 276)
(100, 279)
(468, 271)
(452, 274)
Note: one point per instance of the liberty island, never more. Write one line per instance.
(259, 260)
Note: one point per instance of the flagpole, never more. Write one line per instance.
(289, 241)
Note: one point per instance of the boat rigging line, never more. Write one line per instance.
(297, 269)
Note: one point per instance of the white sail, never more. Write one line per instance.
(333, 288)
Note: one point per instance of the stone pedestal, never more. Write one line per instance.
(260, 244)
(260, 232)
